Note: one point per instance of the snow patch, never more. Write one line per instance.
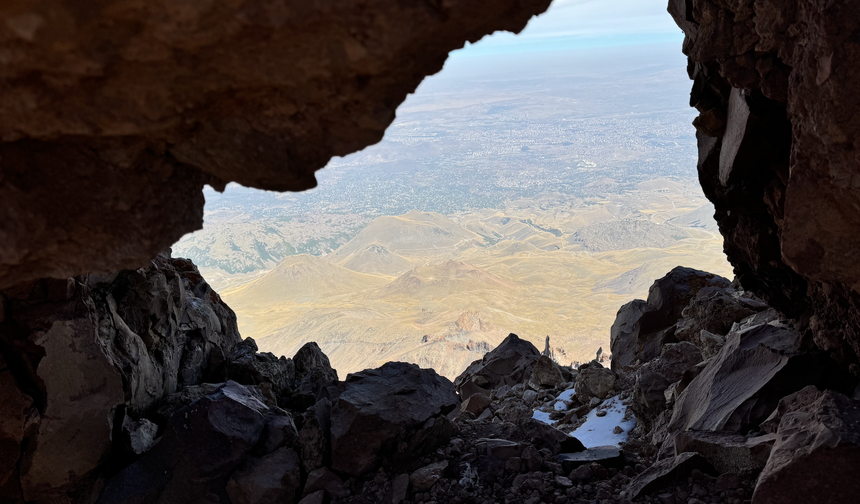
(599, 431)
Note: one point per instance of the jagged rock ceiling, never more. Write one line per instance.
(115, 113)
(779, 150)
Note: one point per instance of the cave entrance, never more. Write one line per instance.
(533, 186)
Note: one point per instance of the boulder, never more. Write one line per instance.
(726, 451)
(310, 358)
(313, 439)
(248, 367)
(280, 431)
(324, 479)
(422, 479)
(509, 363)
(655, 377)
(607, 456)
(642, 327)
(395, 412)
(740, 387)
(475, 404)
(816, 453)
(715, 310)
(203, 444)
(545, 374)
(666, 472)
(546, 436)
(594, 380)
(272, 479)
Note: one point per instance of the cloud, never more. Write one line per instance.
(588, 23)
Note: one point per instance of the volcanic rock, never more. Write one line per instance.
(248, 367)
(742, 385)
(816, 454)
(655, 377)
(727, 452)
(607, 456)
(509, 363)
(395, 412)
(424, 478)
(545, 374)
(715, 310)
(642, 327)
(594, 380)
(202, 445)
(665, 472)
(272, 479)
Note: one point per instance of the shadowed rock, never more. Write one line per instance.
(509, 363)
(377, 409)
(642, 327)
(816, 454)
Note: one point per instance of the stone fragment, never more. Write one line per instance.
(545, 373)
(654, 378)
(529, 397)
(665, 472)
(313, 438)
(740, 387)
(424, 478)
(16, 408)
(272, 479)
(202, 445)
(280, 431)
(475, 404)
(324, 479)
(396, 411)
(642, 327)
(715, 310)
(139, 435)
(310, 357)
(607, 456)
(727, 452)
(546, 436)
(397, 492)
(248, 367)
(563, 481)
(509, 363)
(317, 497)
(499, 448)
(594, 380)
(816, 453)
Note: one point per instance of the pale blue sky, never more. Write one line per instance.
(581, 24)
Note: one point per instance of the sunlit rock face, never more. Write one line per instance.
(779, 151)
(115, 114)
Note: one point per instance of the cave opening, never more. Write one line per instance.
(535, 184)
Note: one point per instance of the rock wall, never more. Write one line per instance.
(779, 151)
(116, 113)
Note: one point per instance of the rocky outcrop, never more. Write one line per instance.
(388, 415)
(778, 152)
(816, 453)
(110, 133)
(642, 327)
(509, 363)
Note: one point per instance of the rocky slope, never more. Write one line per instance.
(135, 387)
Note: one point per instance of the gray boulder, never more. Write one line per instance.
(655, 377)
(715, 309)
(545, 374)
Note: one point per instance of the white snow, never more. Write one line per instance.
(564, 396)
(598, 431)
(542, 416)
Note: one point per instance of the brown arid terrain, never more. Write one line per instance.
(439, 291)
